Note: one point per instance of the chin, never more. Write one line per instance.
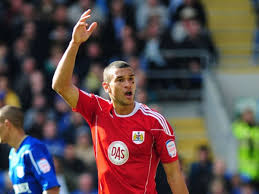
(128, 102)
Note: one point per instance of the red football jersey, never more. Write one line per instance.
(127, 147)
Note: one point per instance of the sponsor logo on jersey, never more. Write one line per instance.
(44, 165)
(118, 152)
(138, 137)
(20, 171)
(171, 148)
(22, 188)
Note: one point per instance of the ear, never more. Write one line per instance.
(7, 123)
(106, 87)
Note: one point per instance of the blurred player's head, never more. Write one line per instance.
(10, 117)
(119, 82)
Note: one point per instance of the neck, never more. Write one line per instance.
(124, 109)
(17, 141)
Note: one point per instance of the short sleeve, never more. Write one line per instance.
(164, 141)
(86, 105)
(42, 167)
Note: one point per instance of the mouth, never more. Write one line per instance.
(128, 94)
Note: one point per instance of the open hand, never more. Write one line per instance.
(81, 31)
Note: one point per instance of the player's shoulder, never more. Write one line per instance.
(101, 101)
(148, 111)
(34, 143)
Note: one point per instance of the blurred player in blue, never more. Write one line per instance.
(31, 168)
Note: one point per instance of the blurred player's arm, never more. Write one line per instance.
(175, 178)
(62, 79)
(54, 190)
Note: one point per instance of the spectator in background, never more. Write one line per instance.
(200, 172)
(93, 81)
(58, 163)
(63, 114)
(13, 18)
(141, 96)
(84, 148)
(28, 12)
(217, 187)
(128, 48)
(76, 121)
(247, 188)
(195, 6)
(39, 102)
(22, 82)
(52, 61)
(9, 96)
(34, 128)
(197, 37)
(151, 48)
(235, 184)
(91, 54)
(86, 184)
(74, 11)
(51, 139)
(4, 63)
(246, 131)
(151, 8)
(59, 35)
(29, 33)
(46, 8)
(60, 16)
(38, 85)
(120, 16)
(219, 174)
(73, 165)
(20, 50)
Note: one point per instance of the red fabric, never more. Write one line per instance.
(141, 136)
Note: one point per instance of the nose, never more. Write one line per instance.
(128, 83)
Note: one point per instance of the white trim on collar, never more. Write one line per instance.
(137, 105)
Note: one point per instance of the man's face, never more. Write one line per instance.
(3, 133)
(122, 86)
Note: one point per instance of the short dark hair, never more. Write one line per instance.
(115, 64)
(13, 114)
(204, 148)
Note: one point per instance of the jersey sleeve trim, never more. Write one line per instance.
(158, 117)
(33, 161)
(98, 102)
(170, 160)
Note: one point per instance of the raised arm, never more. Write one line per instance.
(175, 178)
(62, 79)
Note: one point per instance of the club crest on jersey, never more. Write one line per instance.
(171, 148)
(118, 152)
(44, 165)
(138, 137)
(20, 171)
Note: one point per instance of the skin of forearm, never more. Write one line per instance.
(54, 190)
(63, 74)
(178, 185)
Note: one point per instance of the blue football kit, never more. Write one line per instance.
(31, 167)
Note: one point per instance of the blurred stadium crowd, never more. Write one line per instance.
(33, 36)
